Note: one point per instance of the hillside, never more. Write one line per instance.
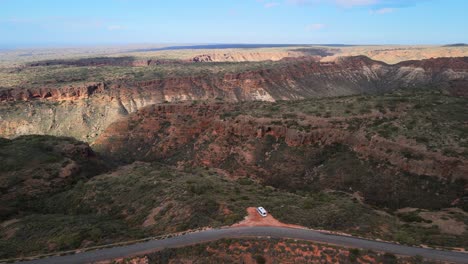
(287, 144)
(269, 251)
(92, 104)
(33, 167)
(224, 53)
(144, 199)
(364, 165)
(457, 45)
(352, 145)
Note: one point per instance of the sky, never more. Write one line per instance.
(103, 22)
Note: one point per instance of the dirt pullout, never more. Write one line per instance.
(255, 219)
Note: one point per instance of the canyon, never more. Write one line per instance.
(257, 131)
(91, 106)
(107, 149)
(297, 149)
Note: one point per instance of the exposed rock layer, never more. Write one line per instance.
(158, 132)
(304, 79)
(83, 111)
(246, 56)
(283, 156)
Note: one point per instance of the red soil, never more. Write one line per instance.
(253, 218)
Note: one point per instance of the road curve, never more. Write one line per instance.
(247, 232)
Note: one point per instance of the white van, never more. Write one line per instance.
(262, 211)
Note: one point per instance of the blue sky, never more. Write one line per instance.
(91, 22)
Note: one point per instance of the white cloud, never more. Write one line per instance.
(268, 4)
(271, 4)
(384, 10)
(301, 2)
(116, 27)
(357, 3)
(58, 22)
(233, 12)
(351, 3)
(314, 27)
(344, 3)
(375, 7)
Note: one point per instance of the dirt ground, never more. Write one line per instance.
(253, 218)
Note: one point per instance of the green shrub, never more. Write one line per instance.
(260, 259)
(411, 217)
(289, 116)
(389, 258)
(354, 254)
(245, 181)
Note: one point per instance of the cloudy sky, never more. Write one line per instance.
(91, 22)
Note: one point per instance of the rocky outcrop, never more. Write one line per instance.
(99, 61)
(397, 54)
(53, 93)
(105, 61)
(296, 80)
(82, 119)
(246, 56)
(312, 153)
(158, 132)
(438, 64)
(83, 111)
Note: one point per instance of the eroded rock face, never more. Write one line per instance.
(105, 61)
(82, 119)
(53, 93)
(158, 132)
(246, 56)
(84, 111)
(304, 79)
(438, 64)
(201, 135)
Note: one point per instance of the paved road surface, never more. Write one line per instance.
(245, 232)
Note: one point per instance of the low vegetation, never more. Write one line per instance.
(73, 73)
(271, 251)
(145, 199)
(56, 195)
(428, 117)
(38, 166)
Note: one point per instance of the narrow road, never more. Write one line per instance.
(246, 232)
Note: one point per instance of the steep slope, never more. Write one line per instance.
(37, 166)
(360, 142)
(251, 56)
(144, 200)
(349, 164)
(90, 107)
(396, 54)
(268, 251)
(299, 79)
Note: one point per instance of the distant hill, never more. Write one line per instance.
(236, 46)
(457, 45)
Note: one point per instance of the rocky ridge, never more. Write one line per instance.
(158, 132)
(90, 107)
(288, 151)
